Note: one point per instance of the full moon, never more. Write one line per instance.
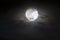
(31, 14)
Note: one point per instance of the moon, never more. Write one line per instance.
(31, 14)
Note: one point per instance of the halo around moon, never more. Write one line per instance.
(31, 14)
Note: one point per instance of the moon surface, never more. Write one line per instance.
(31, 14)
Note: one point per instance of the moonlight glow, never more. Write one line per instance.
(31, 14)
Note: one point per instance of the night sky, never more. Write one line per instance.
(14, 26)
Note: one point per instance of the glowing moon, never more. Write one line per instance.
(31, 14)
